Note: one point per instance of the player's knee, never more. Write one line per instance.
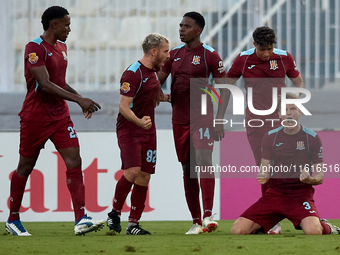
(186, 168)
(313, 230)
(72, 162)
(204, 159)
(237, 230)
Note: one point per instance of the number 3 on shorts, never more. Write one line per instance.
(73, 133)
(151, 156)
(307, 206)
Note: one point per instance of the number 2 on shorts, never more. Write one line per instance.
(73, 133)
(151, 156)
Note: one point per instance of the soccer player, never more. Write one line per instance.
(194, 60)
(136, 131)
(263, 68)
(45, 115)
(288, 154)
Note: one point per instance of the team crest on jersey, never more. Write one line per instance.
(300, 145)
(196, 60)
(125, 87)
(273, 65)
(64, 55)
(33, 58)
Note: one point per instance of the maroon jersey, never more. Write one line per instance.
(290, 154)
(142, 84)
(200, 62)
(38, 104)
(262, 77)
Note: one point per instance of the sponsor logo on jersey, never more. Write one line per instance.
(64, 55)
(33, 58)
(145, 79)
(300, 145)
(196, 60)
(250, 67)
(278, 144)
(50, 54)
(210, 144)
(295, 66)
(125, 87)
(312, 211)
(273, 65)
(176, 59)
(320, 154)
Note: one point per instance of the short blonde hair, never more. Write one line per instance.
(153, 41)
(288, 96)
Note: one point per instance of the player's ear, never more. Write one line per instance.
(254, 44)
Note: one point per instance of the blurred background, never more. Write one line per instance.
(106, 38)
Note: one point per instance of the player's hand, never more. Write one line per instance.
(145, 122)
(262, 178)
(160, 97)
(87, 115)
(88, 105)
(218, 132)
(305, 176)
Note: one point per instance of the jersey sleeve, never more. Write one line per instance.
(291, 68)
(316, 150)
(34, 55)
(267, 147)
(235, 70)
(129, 83)
(216, 65)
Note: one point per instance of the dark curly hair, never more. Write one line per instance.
(264, 36)
(51, 13)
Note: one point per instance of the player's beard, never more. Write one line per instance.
(158, 64)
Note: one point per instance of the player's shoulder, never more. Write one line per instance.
(177, 48)
(283, 54)
(247, 53)
(37, 42)
(134, 67)
(309, 131)
(208, 48)
(274, 131)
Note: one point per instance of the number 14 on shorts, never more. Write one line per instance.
(204, 134)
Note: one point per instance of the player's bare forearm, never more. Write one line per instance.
(298, 82)
(162, 76)
(70, 89)
(124, 109)
(264, 174)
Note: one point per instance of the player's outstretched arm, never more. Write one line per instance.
(41, 75)
(264, 174)
(317, 178)
(124, 109)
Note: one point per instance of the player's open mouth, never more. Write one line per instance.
(290, 121)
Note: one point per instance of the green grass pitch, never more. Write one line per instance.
(167, 238)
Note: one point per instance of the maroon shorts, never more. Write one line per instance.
(138, 151)
(272, 208)
(34, 134)
(200, 135)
